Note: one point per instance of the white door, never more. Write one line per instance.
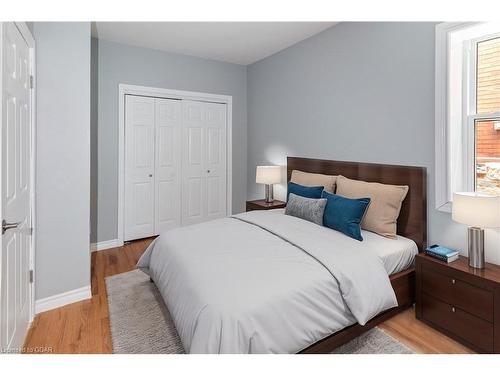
(168, 164)
(193, 163)
(215, 121)
(171, 144)
(15, 259)
(203, 161)
(139, 167)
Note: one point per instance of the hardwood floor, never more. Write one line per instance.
(83, 327)
(419, 336)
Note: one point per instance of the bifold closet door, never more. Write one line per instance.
(203, 161)
(139, 202)
(171, 144)
(215, 160)
(152, 166)
(168, 164)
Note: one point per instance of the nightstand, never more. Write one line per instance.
(460, 301)
(261, 204)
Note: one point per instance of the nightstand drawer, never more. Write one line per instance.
(468, 327)
(458, 293)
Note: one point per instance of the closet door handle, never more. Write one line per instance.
(150, 175)
(208, 170)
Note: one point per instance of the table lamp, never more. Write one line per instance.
(268, 175)
(479, 211)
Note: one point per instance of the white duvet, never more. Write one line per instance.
(264, 282)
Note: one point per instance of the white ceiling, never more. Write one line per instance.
(234, 42)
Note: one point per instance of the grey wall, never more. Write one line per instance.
(118, 63)
(63, 157)
(357, 91)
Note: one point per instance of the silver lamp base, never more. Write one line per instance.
(476, 247)
(269, 194)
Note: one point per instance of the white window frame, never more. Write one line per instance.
(472, 116)
(455, 144)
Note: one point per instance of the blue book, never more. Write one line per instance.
(441, 251)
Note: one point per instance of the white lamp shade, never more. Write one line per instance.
(476, 210)
(268, 174)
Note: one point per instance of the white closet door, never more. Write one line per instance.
(139, 167)
(203, 161)
(168, 164)
(215, 120)
(193, 164)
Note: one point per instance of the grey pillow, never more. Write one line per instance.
(306, 208)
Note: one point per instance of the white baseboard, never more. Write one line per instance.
(105, 245)
(62, 299)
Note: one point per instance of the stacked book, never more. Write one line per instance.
(442, 253)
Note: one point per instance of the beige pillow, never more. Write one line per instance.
(385, 204)
(314, 179)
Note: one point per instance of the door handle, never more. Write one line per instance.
(6, 226)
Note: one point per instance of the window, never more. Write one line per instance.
(486, 120)
(467, 110)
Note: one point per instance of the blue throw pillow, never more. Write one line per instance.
(344, 214)
(304, 191)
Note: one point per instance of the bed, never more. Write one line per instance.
(265, 282)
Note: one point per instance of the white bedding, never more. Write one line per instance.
(397, 254)
(264, 282)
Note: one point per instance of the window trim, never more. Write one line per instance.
(470, 114)
(443, 169)
(472, 73)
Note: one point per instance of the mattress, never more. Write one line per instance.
(397, 254)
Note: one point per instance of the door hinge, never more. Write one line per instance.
(31, 231)
(31, 276)
(31, 81)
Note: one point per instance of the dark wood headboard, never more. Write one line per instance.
(412, 221)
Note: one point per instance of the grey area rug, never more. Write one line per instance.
(141, 323)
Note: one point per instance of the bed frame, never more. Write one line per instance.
(412, 223)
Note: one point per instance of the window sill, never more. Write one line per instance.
(447, 207)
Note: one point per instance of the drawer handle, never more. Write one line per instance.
(453, 281)
(453, 309)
